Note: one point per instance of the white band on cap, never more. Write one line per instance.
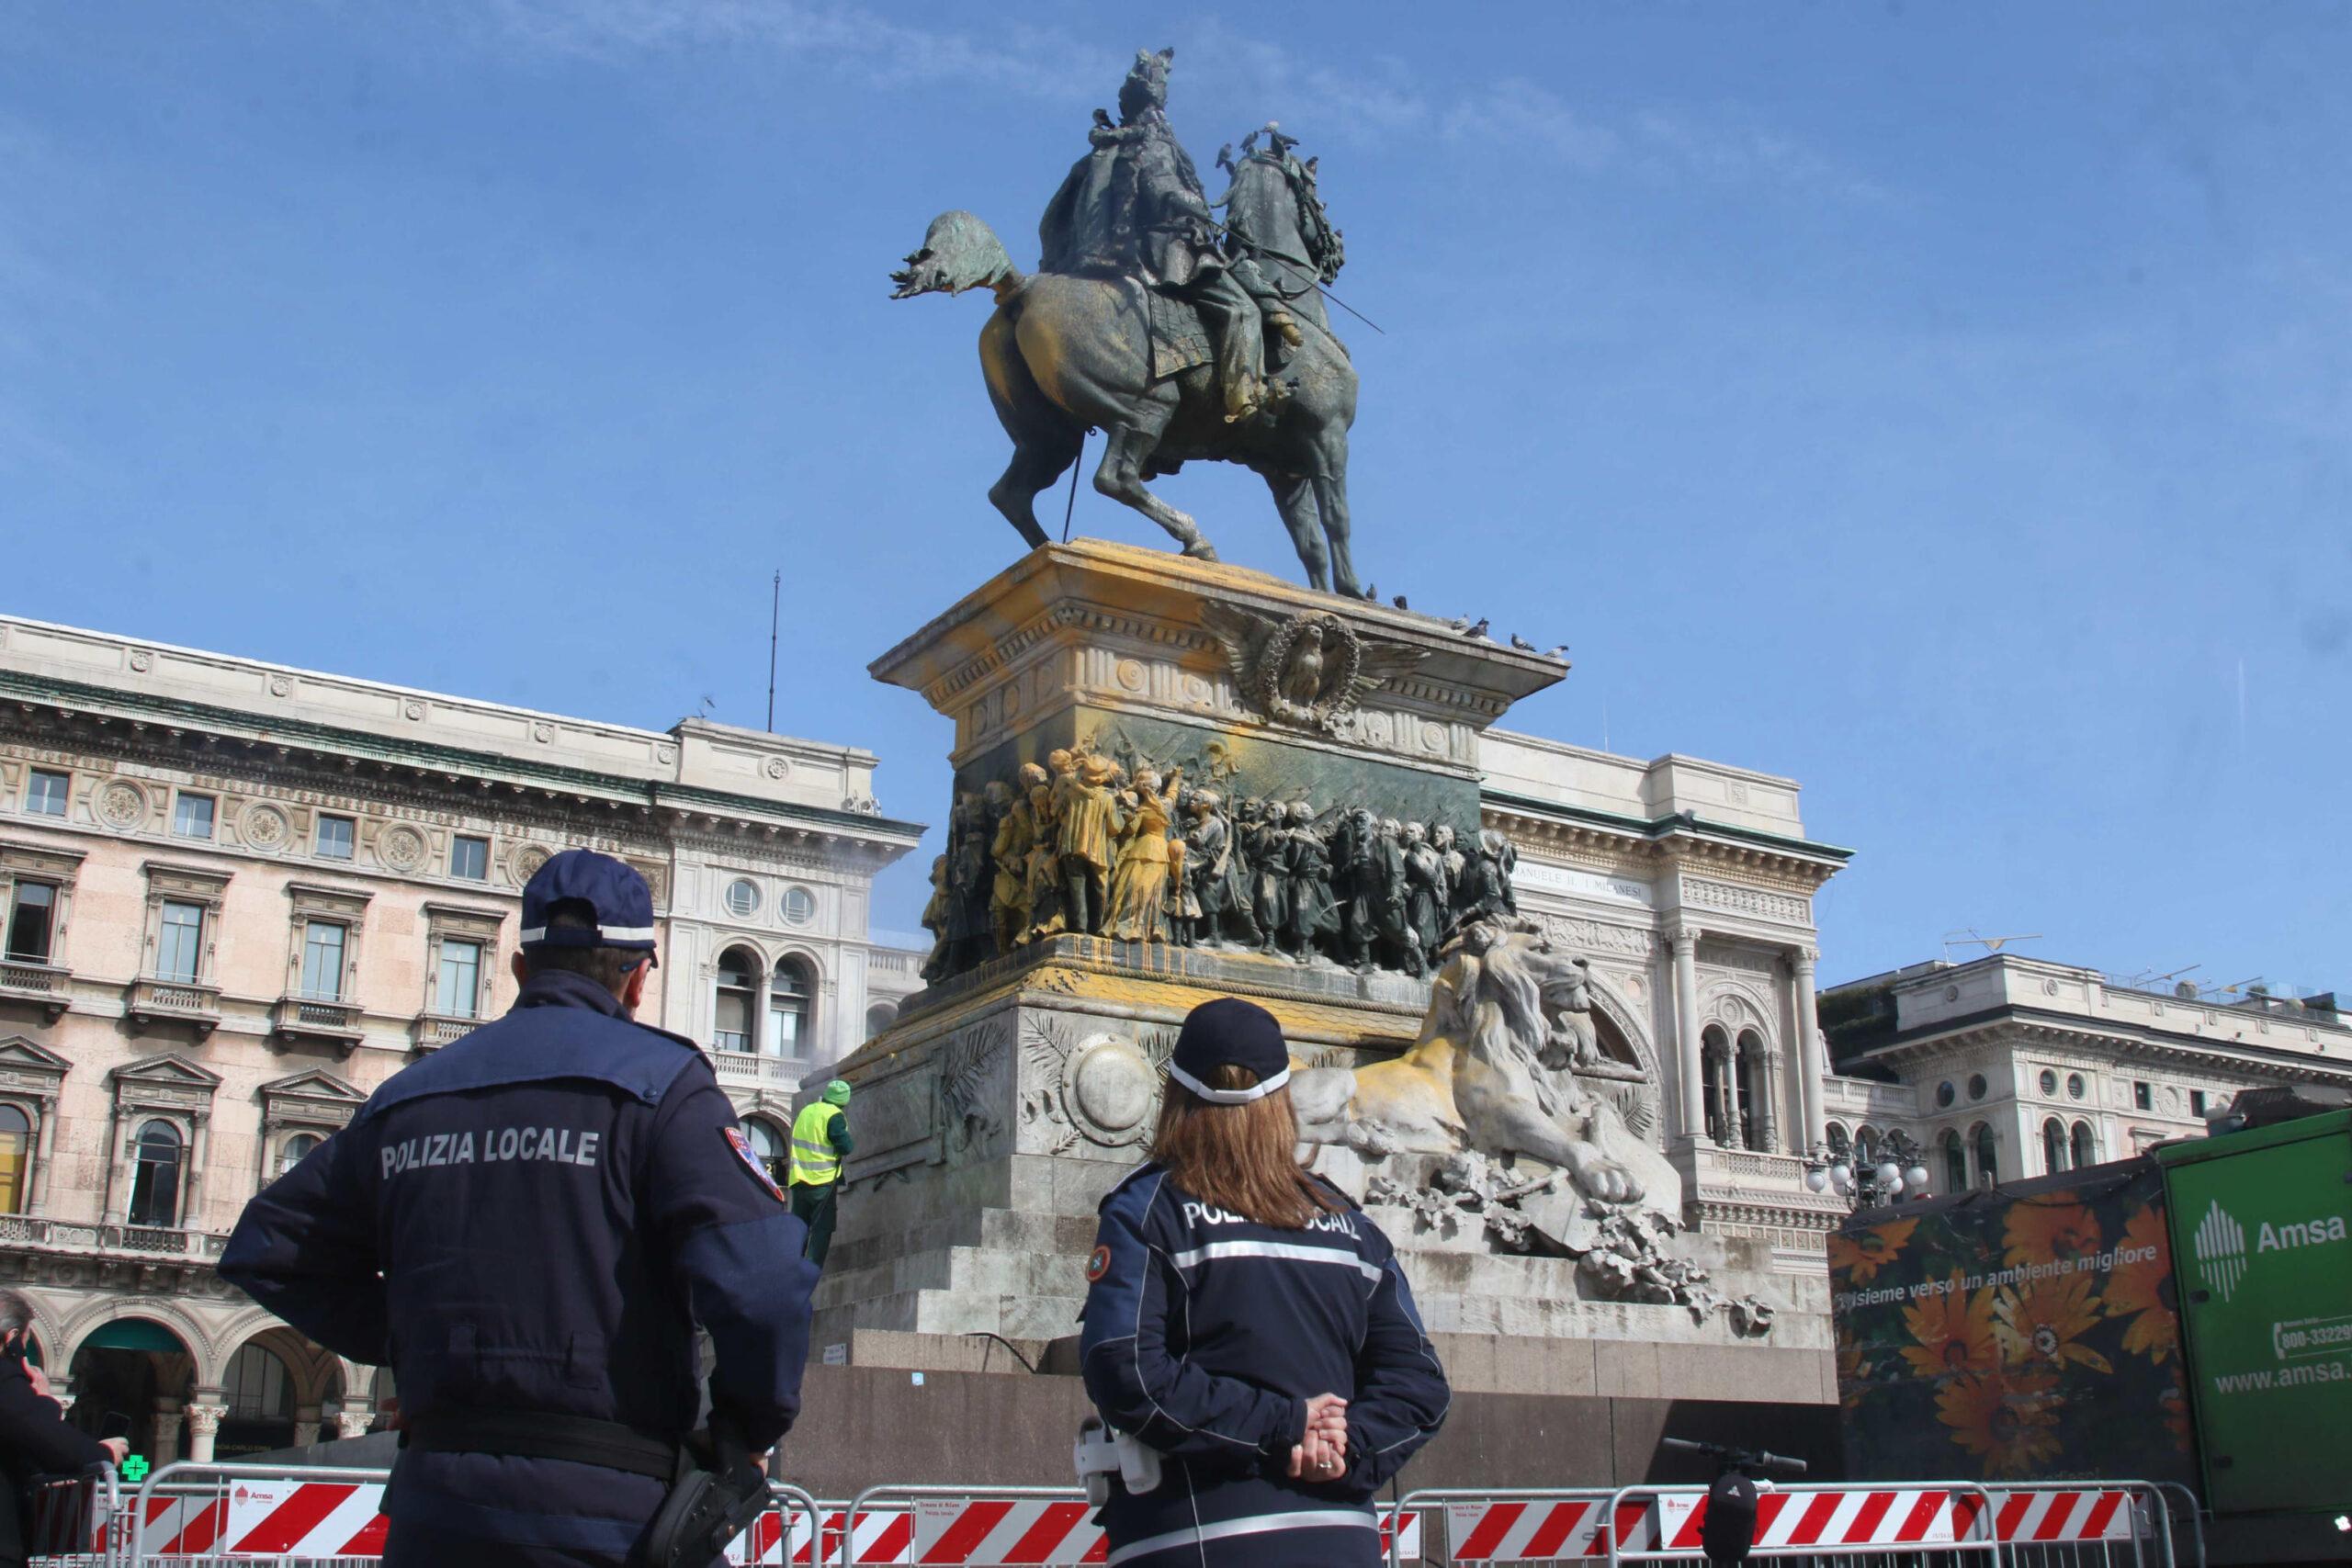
(1229, 1095)
(602, 933)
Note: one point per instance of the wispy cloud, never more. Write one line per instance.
(1369, 102)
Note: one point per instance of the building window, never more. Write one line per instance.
(155, 1176)
(323, 943)
(2048, 1083)
(2143, 1096)
(470, 858)
(179, 952)
(337, 837)
(731, 1020)
(768, 1143)
(799, 906)
(1955, 1163)
(1988, 1159)
(192, 815)
(791, 997)
(32, 923)
(1945, 1094)
(456, 989)
(1976, 1086)
(16, 1157)
(45, 793)
(742, 898)
(2054, 1146)
(1840, 1143)
(2197, 1102)
(2085, 1146)
(296, 1149)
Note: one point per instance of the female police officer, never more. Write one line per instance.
(1246, 1323)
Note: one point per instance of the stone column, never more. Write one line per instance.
(763, 994)
(350, 1422)
(1684, 942)
(306, 1426)
(118, 1174)
(1812, 1067)
(1725, 1057)
(203, 1423)
(1768, 1115)
(192, 1212)
(167, 1430)
(37, 1202)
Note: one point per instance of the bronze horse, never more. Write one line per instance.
(1064, 353)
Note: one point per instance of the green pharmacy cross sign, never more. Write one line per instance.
(135, 1468)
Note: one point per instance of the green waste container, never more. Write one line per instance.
(2262, 1259)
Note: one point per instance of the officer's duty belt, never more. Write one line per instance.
(579, 1439)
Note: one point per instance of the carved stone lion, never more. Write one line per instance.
(1493, 1073)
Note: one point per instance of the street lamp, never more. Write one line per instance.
(1898, 1170)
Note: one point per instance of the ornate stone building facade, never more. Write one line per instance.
(239, 896)
(2010, 1067)
(1689, 884)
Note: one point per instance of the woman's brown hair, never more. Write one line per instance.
(1240, 1157)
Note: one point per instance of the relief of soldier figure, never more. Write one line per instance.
(1182, 336)
(1090, 845)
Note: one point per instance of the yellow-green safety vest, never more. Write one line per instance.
(815, 1162)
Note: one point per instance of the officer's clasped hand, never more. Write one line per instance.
(1322, 1453)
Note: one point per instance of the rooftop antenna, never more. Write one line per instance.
(2233, 988)
(775, 606)
(1966, 937)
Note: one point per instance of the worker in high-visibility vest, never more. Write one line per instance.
(820, 1141)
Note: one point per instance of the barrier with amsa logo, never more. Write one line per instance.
(2264, 1220)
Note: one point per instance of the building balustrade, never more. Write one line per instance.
(320, 1018)
(431, 1031)
(744, 1068)
(110, 1240)
(152, 1000)
(46, 986)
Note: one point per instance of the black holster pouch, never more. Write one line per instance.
(714, 1497)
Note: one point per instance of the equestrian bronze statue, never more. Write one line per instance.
(1181, 337)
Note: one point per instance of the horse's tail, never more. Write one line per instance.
(959, 252)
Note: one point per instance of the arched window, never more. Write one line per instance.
(766, 1143)
(879, 1016)
(1841, 1142)
(155, 1176)
(1747, 1078)
(791, 1011)
(260, 1396)
(2054, 1146)
(1988, 1159)
(16, 1157)
(1714, 1056)
(1955, 1162)
(2085, 1144)
(731, 1026)
(296, 1148)
(1865, 1146)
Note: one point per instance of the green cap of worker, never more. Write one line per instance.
(837, 1092)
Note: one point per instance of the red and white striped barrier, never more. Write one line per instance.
(1830, 1520)
(1539, 1529)
(2055, 1517)
(879, 1536)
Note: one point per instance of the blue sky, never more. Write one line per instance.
(1946, 407)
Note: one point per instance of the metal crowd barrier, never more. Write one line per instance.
(1849, 1525)
(69, 1520)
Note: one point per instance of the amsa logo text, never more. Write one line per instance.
(2221, 1243)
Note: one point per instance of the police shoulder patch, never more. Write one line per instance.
(752, 1162)
(1098, 1265)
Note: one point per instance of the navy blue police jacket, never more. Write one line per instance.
(534, 1219)
(1204, 1336)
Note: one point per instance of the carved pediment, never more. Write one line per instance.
(19, 1054)
(170, 1071)
(314, 1084)
(39, 859)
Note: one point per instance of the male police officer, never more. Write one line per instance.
(820, 1141)
(527, 1226)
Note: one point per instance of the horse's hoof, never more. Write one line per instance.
(1201, 549)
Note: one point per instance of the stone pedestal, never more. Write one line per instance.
(1011, 1095)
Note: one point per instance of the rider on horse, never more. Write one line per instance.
(1134, 207)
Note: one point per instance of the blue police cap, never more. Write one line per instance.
(614, 894)
(1229, 1032)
